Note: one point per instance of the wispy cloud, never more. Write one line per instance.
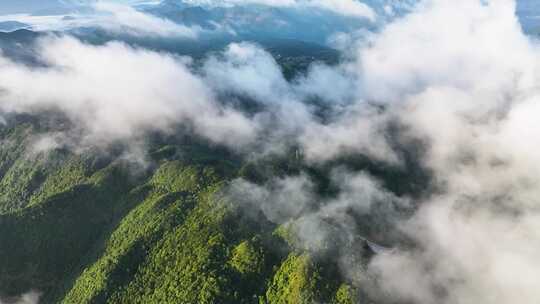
(27, 298)
(352, 8)
(111, 16)
(123, 18)
(117, 92)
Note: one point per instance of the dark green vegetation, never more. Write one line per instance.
(92, 227)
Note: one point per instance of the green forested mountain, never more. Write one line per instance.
(91, 227)
(87, 224)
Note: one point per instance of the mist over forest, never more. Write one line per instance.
(270, 151)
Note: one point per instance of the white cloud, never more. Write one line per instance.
(114, 17)
(320, 225)
(117, 92)
(344, 7)
(281, 200)
(123, 18)
(38, 23)
(409, 56)
(352, 8)
(462, 76)
(27, 298)
(359, 130)
(249, 70)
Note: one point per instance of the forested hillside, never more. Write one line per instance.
(153, 221)
(96, 227)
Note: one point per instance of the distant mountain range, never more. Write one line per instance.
(16, 45)
(238, 22)
(9, 26)
(254, 21)
(284, 22)
(35, 7)
(293, 55)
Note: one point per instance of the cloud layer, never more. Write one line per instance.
(470, 91)
(111, 16)
(126, 19)
(118, 92)
(351, 8)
